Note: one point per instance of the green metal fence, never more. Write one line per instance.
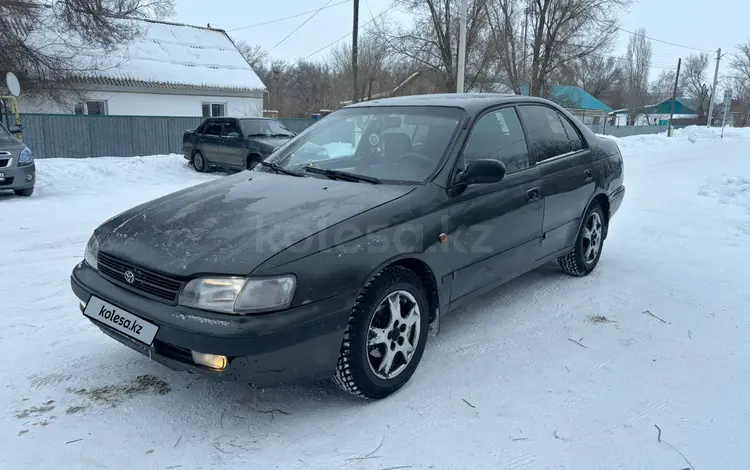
(80, 136)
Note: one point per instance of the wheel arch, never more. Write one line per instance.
(252, 156)
(423, 271)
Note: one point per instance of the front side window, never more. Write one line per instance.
(213, 128)
(498, 135)
(231, 129)
(546, 131)
(375, 142)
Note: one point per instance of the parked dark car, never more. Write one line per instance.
(233, 143)
(301, 270)
(17, 169)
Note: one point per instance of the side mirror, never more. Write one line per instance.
(482, 171)
(15, 129)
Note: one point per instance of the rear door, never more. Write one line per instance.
(496, 228)
(565, 164)
(231, 150)
(209, 140)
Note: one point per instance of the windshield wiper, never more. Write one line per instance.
(281, 135)
(280, 169)
(341, 175)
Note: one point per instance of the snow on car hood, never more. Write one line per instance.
(233, 224)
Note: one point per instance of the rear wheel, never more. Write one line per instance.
(24, 192)
(199, 161)
(386, 335)
(588, 249)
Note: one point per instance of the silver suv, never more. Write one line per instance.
(17, 171)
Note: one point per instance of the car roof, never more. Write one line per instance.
(470, 102)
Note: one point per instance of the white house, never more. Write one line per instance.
(654, 114)
(170, 70)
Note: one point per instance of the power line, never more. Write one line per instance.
(350, 33)
(300, 26)
(654, 39)
(288, 17)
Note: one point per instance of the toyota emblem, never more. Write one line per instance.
(129, 277)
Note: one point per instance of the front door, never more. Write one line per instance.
(208, 141)
(230, 149)
(566, 169)
(496, 228)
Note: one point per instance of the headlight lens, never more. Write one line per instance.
(26, 157)
(239, 295)
(92, 251)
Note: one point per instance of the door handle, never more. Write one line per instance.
(588, 174)
(532, 194)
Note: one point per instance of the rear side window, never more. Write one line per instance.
(546, 131)
(498, 134)
(213, 129)
(573, 135)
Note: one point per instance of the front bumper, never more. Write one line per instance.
(16, 177)
(297, 345)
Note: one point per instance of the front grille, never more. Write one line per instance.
(149, 282)
(7, 181)
(5, 162)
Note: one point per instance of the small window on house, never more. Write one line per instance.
(214, 109)
(96, 107)
(80, 108)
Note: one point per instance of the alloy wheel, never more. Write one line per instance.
(393, 334)
(592, 237)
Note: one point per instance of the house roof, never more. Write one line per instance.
(665, 107)
(572, 97)
(178, 56)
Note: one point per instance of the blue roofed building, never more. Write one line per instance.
(579, 103)
(656, 114)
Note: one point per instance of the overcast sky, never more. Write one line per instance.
(703, 25)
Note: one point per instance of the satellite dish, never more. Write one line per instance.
(13, 86)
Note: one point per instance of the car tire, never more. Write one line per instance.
(375, 335)
(252, 161)
(26, 192)
(589, 243)
(199, 162)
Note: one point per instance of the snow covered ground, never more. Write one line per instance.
(546, 372)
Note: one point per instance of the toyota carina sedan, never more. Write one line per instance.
(309, 268)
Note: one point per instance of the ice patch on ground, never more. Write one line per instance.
(728, 190)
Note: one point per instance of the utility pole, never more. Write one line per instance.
(355, 52)
(713, 90)
(674, 98)
(462, 13)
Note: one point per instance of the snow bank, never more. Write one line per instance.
(87, 176)
(682, 137)
(728, 190)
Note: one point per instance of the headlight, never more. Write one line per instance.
(92, 251)
(239, 295)
(26, 157)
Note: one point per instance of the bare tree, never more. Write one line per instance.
(695, 79)
(255, 55)
(48, 44)
(740, 74)
(637, 68)
(597, 74)
(431, 41)
(663, 87)
(372, 63)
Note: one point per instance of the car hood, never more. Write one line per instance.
(10, 143)
(233, 224)
(273, 142)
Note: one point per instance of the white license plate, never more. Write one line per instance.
(120, 320)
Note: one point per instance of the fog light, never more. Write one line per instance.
(29, 177)
(210, 360)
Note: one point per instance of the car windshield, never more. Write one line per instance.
(264, 127)
(390, 144)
